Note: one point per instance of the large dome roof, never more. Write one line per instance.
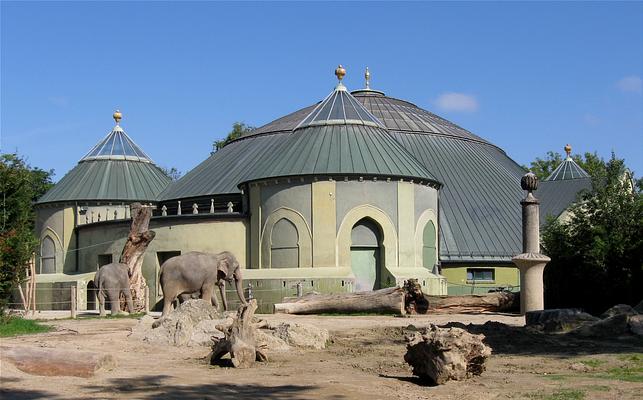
(480, 218)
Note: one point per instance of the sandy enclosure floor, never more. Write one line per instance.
(363, 361)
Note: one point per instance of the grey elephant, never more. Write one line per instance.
(112, 280)
(196, 271)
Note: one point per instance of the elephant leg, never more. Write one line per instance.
(207, 292)
(215, 302)
(224, 300)
(113, 296)
(101, 302)
(168, 299)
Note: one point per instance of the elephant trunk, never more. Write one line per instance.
(239, 286)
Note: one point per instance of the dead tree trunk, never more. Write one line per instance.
(137, 241)
(239, 340)
(489, 302)
(56, 362)
(389, 300)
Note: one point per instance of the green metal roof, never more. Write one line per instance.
(115, 169)
(339, 150)
(339, 137)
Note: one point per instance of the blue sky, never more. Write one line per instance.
(529, 77)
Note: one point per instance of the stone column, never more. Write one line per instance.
(531, 263)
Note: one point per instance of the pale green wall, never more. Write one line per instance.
(505, 276)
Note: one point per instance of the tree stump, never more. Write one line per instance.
(137, 241)
(240, 340)
(447, 354)
(55, 362)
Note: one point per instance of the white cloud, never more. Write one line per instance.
(630, 84)
(452, 101)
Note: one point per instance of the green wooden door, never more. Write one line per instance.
(365, 266)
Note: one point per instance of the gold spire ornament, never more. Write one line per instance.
(117, 116)
(367, 76)
(340, 72)
(568, 150)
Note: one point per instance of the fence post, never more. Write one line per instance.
(73, 301)
(147, 299)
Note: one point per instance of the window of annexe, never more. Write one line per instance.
(481, 275)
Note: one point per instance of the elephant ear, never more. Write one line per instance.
(223, 267)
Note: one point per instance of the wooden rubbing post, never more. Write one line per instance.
(137, 241)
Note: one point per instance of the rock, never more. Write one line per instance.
(579, 367)
(619, 309)
(266, 340)
(605, 328)
(193, 323)
(635, 323)
(639, 307)
(57, 362)
(204, 331)
(443, 354)
(558, 320)
(300, 335)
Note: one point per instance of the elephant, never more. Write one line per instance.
(197, 271)
(112, 279)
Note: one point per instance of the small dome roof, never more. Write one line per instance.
(339, 137)
(568, 169)
(115, 169)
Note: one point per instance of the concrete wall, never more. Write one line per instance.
(57, 221)
(324, 211)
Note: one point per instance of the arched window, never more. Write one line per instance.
(47, 256)
(429, 251)
(284, 245)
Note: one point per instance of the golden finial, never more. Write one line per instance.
(117, 116)
(367, 75)
(340, 72)
(568, 149)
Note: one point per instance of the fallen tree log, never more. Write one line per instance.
(54, 362)
(389, 300)
(240, 340)
(488, 302)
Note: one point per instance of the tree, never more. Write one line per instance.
(238, 130)
(597, 255)
(20, 186)
(172, 173)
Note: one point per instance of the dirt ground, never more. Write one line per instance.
(363, 361)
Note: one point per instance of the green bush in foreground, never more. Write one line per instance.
(13, 326)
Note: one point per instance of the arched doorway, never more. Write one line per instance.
(366, 242)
